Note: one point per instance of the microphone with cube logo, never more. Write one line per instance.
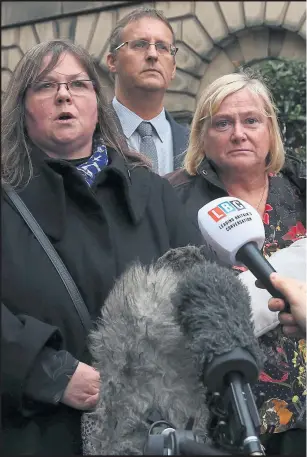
(234, 231)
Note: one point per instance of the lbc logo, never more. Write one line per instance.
(223, 209)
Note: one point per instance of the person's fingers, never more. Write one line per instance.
(276, 304)
(91, 387)
(286, 319)
(96, 378)
(82, 401)
(91, 402)
(87, 388)
(83, 388)
(292, 330)
(91, 391)
(289, 287)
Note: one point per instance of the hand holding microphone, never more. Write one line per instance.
(296, 293)
(82, 391)
(234, 231)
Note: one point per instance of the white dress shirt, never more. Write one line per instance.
(162, 134)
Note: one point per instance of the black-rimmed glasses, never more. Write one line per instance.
(75, 87)
(143, 45)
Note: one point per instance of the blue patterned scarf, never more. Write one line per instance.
(95, 163)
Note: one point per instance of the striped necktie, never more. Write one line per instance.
(147, 145)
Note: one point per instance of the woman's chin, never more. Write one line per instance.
(65, 139)
(244, 162)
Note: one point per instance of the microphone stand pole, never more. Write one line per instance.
(243, 416)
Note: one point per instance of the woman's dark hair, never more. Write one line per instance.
(15, 143)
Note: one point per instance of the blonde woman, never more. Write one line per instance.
(235, 148)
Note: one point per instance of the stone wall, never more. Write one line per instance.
(213, 37)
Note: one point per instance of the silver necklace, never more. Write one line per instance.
(264, 189)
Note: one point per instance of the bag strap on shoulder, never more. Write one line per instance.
(55, 259)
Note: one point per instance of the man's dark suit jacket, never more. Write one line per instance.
(180, 135)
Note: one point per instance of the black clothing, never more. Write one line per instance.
(180, 135)
(282, 383)
(205, 186)
(128, 214)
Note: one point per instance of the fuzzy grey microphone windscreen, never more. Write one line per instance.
(140, 353)
(213, 309)
(145, 360)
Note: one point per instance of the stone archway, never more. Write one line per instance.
(253, 45)
(216, 37)
(213, 38)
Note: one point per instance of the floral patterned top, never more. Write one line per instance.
(282, 383)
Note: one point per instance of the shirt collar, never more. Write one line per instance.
(130, 121)
(58, 182)
(207, 170)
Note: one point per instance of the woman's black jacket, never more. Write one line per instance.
(129, 214)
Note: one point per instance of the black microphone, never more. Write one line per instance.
(234, 231)
(213, 309)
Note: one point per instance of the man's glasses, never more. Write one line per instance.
(143, 45)
(75, 87)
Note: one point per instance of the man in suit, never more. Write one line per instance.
(142, 59)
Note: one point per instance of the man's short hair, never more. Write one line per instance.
(135, 15)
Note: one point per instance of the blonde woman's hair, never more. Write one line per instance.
(208, 105)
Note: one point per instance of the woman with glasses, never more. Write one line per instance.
(101, 208)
